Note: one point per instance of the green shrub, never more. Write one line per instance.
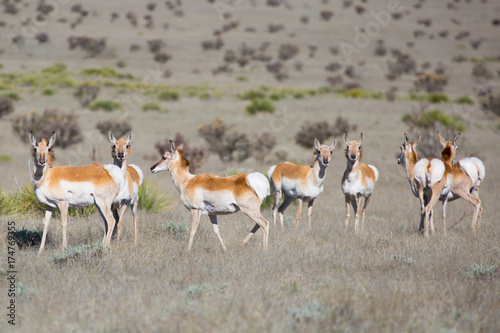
(106, 72)
(260, 105)
(152, 199)
(81, 253)
(464, 100)
(481, 270)
(169, 95)
(151, 106)
(437, 98)
(12, 95)
(5, 158)
(173, 228)
(57, 68)
(253, 94)
(49, 91)
(106, 105)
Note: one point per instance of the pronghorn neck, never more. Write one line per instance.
(447, 155)
(318, 171)
(39, 172)
(180, 176)
(122, 164)
(352, 166)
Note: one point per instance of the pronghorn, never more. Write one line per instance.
(302, 182)
(434, 179)
(358, 180)
(132, 179)
(213, 195)
(467, 176)
(70, 186)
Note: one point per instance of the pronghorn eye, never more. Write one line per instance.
(128, 146)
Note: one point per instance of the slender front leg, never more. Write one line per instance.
(136, 221)
(196, 214)
(63, 207)
(299, 212)
(347, 203)
(254, 214)
(310, 211)
(213, 219)
(367, 200)
(357, 211)
(282, 208)
(445, 201)
(48, 214)
(123, 209)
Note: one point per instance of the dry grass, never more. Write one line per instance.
(387, 279)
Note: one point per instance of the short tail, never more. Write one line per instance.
(139, 172)
(270, 172)
(259, 183)
(474, 168)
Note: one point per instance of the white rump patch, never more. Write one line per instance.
(117, 174)
(139, 171)
(474, 168)
(435, 174)
(375, 170)
(259, 183)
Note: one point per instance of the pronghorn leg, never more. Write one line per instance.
(63, 207)
(116, 216)
(423, 203)
(310, 211)
(136, 220)
(213, 219)
(357, 210)
(282, 208)
(255, 215)
(474, 201)
(436, 192)
(367, 200)
(104, 209)
(347, 214)
(475, 193)
(196, 213)
(277, 198)
(445, 201)
(48, 214)
(123, 209)
(299, 212)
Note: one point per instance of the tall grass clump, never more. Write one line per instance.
(152, 199)
(106, 72)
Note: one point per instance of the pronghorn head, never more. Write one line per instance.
(121, 147)
(172, 158)
(42, 152)
(323, 153)
(408, 151)
(449, 148)
(354, 149)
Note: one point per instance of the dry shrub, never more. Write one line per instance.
(6, 106)
(228, 142)
(322, 130)
(403, 64)
(326, 14)
(216, 44)
(264, 144)
(430, 82)
(93, 46)
(155, 45)
(118, 126)
(491, 103)
(287, 51)
(65, 125)
(86, 93)
(481, 71)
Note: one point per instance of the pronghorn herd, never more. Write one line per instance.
(116, 186)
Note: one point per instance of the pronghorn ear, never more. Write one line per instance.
(345, 138)
(32, 140)
(52, 140)
(129, 138)
(180, 147)
(112, 137)
(172, 146)
(361, 136)
(441, 139)
(416, 141)
(406, 139)
(456, 138)
(334, 142)
(317, 145)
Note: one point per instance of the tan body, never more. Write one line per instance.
(213, 195)
(70, 186)
(132, 179)
(358, 181)
(462, 185)
(302, 182)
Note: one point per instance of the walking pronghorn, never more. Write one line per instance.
(358, 181)
(302, 182)
(467, 176)
(70, 186)
(132, 179)
(213, 195)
